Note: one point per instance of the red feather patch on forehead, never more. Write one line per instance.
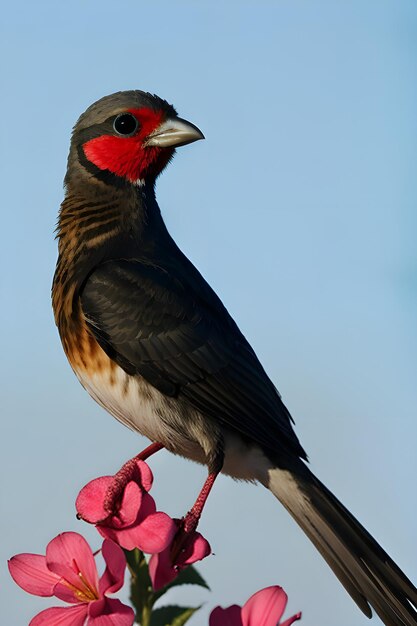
(126, 156)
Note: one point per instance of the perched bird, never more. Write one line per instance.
(153, 344)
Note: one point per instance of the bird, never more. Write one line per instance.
(153, 344)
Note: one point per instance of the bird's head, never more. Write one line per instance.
(127, 137)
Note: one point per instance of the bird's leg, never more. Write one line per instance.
(149, 451)
(215, 463)
(126, 473)
(189, 523)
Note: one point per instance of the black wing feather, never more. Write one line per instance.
(165, 323)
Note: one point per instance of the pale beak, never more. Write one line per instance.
(174, 132)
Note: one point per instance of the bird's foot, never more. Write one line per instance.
(190, 521)
(129, 471)
(186, 535)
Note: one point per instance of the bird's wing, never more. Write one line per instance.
(169, 326)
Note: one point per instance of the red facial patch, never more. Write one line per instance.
(126, 156)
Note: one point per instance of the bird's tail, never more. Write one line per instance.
(365, 570)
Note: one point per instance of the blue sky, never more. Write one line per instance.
(300, 210)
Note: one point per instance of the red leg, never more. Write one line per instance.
(128, 471)
(192, 518)
(189, 523)
(149, 451)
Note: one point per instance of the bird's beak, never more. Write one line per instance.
(174, 132)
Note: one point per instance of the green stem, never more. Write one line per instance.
(145, 618)
(141, 592)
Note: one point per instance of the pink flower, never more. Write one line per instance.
(264, 608)
(123, 510)
(185, 549)
(68, 572)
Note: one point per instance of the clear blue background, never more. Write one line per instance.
(299, 208)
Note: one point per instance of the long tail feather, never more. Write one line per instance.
(365, 570)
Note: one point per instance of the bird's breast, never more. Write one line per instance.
(137, 404)
(130, 398)
(182, 430)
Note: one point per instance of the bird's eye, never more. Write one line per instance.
(125, 124)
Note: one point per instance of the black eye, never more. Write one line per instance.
(125, 124)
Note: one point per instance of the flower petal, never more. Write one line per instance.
(110, 612)
(148, 507)
(195, 549)
(161, 571)
(61, 616)
(110, 533)
(125, 537)
(90, 500)
(146, 476)
(155, 533)
(69, 593)
(113, 577)
(130, 506)
(265, 607)
(232, 616)
(291, 620)
(31, 573)
(69, 555)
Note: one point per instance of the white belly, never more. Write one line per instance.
(131, 400)
(143, 408)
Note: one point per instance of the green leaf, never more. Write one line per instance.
(143, 597)
(187, 576)
(172, 615)
(190, 576)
